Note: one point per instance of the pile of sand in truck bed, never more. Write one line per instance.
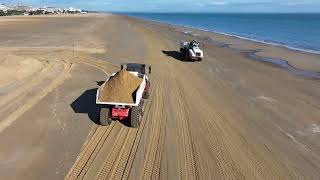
(120, 88)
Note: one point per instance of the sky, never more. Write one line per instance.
(265, 6)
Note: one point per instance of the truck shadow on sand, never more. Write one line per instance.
(176, 55)
(86, 104)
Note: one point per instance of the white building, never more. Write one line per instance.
(53, 10)
(22, 8)
(71, 9)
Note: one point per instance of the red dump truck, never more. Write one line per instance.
(133, 112)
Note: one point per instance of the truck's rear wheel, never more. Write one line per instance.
(105, 119)
(135, 116)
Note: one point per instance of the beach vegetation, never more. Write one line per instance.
(11, 13)
(2, 13)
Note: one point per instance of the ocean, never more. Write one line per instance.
(295, 31)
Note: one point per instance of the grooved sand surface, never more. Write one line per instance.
(227, 117)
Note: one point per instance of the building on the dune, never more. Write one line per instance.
(53, 10)
(9, 10)
(74, 10)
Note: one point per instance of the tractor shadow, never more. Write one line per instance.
(176, 55)
(86, 104)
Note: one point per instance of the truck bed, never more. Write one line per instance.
(137, 100)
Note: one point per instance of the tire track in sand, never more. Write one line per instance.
(212, 123)
(31, 102)
(104, 66)
(137, 140)
(28, 85)
(121, 162)
(122, 167)
(87, 156)
(152, 161)
(188, 159)
(120, 141)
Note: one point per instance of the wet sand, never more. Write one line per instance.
(228, 117)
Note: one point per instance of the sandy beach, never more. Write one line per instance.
(235, 115)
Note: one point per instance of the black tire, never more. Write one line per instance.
(105, 120)
(186, 57)
(181, 52)
(135, 116)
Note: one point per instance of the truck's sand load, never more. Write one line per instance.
(120, 88)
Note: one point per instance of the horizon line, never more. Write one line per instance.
(210, 12)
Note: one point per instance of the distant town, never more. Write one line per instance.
(12, 10)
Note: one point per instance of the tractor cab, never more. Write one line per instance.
(193, 44)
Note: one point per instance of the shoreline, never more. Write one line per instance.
(231, 35)
(299, 62)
